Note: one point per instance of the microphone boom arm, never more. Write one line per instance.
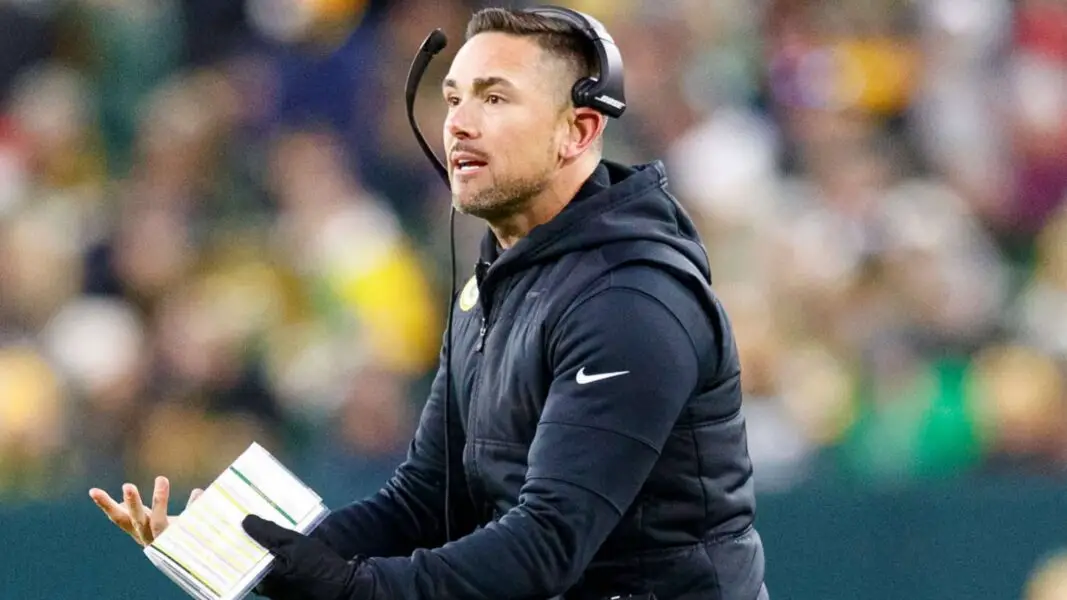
(434, 43)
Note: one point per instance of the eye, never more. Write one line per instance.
(494, 99)
(451, 100)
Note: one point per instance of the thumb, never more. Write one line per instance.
(268, 534)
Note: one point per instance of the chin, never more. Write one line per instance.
(488, 202)
(462, 197)
(475, 205)
(473, 209)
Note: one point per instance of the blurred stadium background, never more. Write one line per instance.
(216, 226)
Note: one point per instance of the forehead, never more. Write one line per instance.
(494, 54)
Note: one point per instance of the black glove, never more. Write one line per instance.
(305, 568)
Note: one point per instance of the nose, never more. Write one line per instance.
(460, 122)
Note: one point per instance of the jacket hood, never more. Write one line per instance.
(617, 203)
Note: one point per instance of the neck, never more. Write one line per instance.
(545, 206)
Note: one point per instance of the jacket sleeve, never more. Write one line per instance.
(623, 369)
(407, 513)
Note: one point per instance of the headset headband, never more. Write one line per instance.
(605, 93)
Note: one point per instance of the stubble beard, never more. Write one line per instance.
(503, 199)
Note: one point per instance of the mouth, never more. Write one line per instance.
(464, 164)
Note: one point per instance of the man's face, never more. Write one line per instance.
(505, 126)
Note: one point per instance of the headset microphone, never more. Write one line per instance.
(434, 43)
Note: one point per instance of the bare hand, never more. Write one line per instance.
(132, 517)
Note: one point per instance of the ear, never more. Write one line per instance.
(585, 127)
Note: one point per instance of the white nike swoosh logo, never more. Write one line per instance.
(583, 379)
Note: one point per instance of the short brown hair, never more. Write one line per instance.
(557, 37)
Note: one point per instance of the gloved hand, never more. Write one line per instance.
(305, 568)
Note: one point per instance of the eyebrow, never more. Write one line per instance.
(480, 83)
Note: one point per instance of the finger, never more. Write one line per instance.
(112, 509)
(193, 496)
(268, 534)
(137, 511)
(160, 497)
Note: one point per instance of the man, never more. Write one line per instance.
(595, 436)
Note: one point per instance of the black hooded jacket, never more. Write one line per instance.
(596, 437)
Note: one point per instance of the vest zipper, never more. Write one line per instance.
(481, 334)
(480, 271)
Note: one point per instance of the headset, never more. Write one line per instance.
(604, 92)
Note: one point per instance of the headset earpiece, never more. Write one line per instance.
(605, 93)
(580, 91)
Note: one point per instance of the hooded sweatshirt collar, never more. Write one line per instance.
(616, 203)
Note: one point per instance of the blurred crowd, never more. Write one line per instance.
(217, 227)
